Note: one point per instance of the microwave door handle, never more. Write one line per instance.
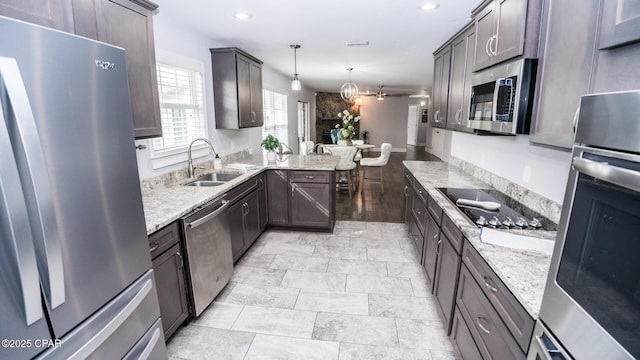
(496, 92)
(17, 255)
(42, 212)
(628, 179)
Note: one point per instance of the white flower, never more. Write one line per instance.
(339, 114)
(345, 121)
(337, 126)
(350, 116)
(346, 112)
(350, 127)
(357, 119)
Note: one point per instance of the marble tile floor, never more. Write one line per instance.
(359, 293)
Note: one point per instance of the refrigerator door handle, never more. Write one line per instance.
(127, 307)
(16, 248)
(150, 345)
(35, 184)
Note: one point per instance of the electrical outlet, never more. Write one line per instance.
(526, 175)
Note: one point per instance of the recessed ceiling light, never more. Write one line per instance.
(429, 6)
(242, 16)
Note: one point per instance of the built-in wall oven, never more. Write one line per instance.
(591, 303)
(502, 98)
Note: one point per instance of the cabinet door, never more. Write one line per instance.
(243, 65)
(485, 41)
(457, 82)
(236, 228)
(56, 14)
(418, 238)
(262, 198)
(431, 240)
(556, 106)
(172, 293)
(620, 23)
(442, 63)
(510, 19)
(310, 205)
(408, 195)
(129, 25)
(278, 197)
(466, 93)
(255, 74)
(251, 219)
(447, 272)
(463, 339)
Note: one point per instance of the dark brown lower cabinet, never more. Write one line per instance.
(168, 272)
(448, 269)
(431, 239)
(301, 199)
(244, 223)
(262, 199)
(278, 197)
(462, 338)
(487, 329)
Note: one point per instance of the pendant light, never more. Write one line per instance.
(295, 84)
(349, 90)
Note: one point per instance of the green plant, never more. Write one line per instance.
(348, 130)
(270, 143)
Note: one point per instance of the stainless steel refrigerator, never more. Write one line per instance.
(75, 270)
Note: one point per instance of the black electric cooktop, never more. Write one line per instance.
(510, 215)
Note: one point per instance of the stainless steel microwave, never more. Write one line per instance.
(502, 98)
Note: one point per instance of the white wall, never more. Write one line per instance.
(539, 169)
(183, 40)
(385, 120)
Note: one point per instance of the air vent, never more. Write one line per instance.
(357, 43)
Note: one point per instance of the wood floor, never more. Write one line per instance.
(368, 204)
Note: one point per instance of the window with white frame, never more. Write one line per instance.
(275, 115)
(182, 109)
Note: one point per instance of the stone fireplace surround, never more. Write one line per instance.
(328, 105)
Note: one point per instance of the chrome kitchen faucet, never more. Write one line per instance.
(191, 169)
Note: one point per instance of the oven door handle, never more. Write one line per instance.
(542, 349)
(629, 179)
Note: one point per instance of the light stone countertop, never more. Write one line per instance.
(523, 272)
(164, 204)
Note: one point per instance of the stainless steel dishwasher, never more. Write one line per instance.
(209, 257)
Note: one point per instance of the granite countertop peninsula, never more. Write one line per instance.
(523, 272)
(169, 200)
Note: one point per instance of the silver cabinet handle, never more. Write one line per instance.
(181, 260)
(438, 246)
(458, 116)
(16, 230)
(493, 41)
(127, 307)
(246, 206)
(154, 248)
(406, 190)
(309, 177)
(629, 179)
(261, 183)
(253, 116)
(479, 323)
(487, 45)
(43, 216)
(204, 219)
(488, 283)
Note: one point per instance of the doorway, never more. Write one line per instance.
(412, 125)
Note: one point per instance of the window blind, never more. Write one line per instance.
(275, 115)
(181, 107)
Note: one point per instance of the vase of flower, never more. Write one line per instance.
(347, 129)
(270, 143)
(344, 142)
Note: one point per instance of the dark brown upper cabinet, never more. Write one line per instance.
(237, 88)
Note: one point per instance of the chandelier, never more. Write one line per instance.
(349, 90)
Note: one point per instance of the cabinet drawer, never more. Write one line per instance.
(487, 329)
(310, 176)
(420, 192)
(453, 233)
(515, 317)
(462, 338)
(163, 239)
(417, 237)
(435, 210)
(241, 190)
(419, 212)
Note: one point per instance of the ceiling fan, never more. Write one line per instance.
(380, 95)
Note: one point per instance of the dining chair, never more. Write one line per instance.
(306, 147)
(345, 165)
(379, 162)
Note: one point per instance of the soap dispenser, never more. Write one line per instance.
(217, 163)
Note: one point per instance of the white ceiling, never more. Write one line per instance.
(402, 37)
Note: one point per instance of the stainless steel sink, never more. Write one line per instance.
(223, 177)
(213, 179)
(204, 183)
